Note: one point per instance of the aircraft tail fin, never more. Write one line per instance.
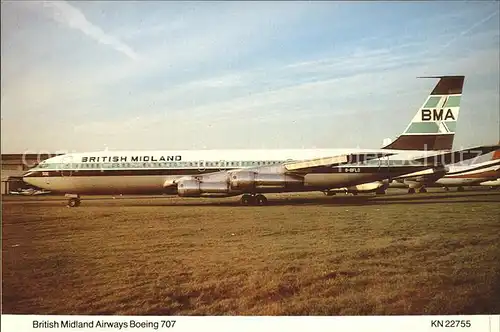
(496, 154)
(433, 127)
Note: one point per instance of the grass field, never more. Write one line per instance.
(307, 254)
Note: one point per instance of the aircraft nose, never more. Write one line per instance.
(34, 178)
(28, 176)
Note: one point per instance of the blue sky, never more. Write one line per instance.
(80, 76)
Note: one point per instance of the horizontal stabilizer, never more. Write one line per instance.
(453, 157)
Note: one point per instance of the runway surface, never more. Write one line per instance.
(304, 254)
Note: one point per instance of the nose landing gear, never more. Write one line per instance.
(73, 201)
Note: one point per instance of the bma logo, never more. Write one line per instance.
(437, 115)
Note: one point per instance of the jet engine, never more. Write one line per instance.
(377, 186)
(369, 187)
(236, 183)
(247, 181)
(195, 188)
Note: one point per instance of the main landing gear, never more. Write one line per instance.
(420, 190)
(74, 200)
(253, 199)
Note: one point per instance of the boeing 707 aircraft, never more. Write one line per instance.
(252, 173)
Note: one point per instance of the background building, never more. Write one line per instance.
(13, 167)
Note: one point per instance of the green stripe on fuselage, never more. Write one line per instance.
(423, 128)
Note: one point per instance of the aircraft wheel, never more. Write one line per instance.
(74, 202)
(260, 200)
(380, 192)
(446, 189)
(422, 190)
(460, 188)
(246, 199)
(411, 190)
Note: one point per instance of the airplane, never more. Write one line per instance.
(455, 176)
(252, 173)
(486, 173)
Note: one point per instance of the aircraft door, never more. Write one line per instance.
(384, 165)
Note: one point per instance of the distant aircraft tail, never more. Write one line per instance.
(433, 127)
(496, 154)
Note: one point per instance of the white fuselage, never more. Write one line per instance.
(155, 171)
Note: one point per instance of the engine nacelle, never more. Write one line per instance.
(248, 180)
(195, 188)
(364, 187)
(237, 183)
(372, 186)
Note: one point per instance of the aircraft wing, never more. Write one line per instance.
(453, 157)
(298, 168)
(308, 165)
